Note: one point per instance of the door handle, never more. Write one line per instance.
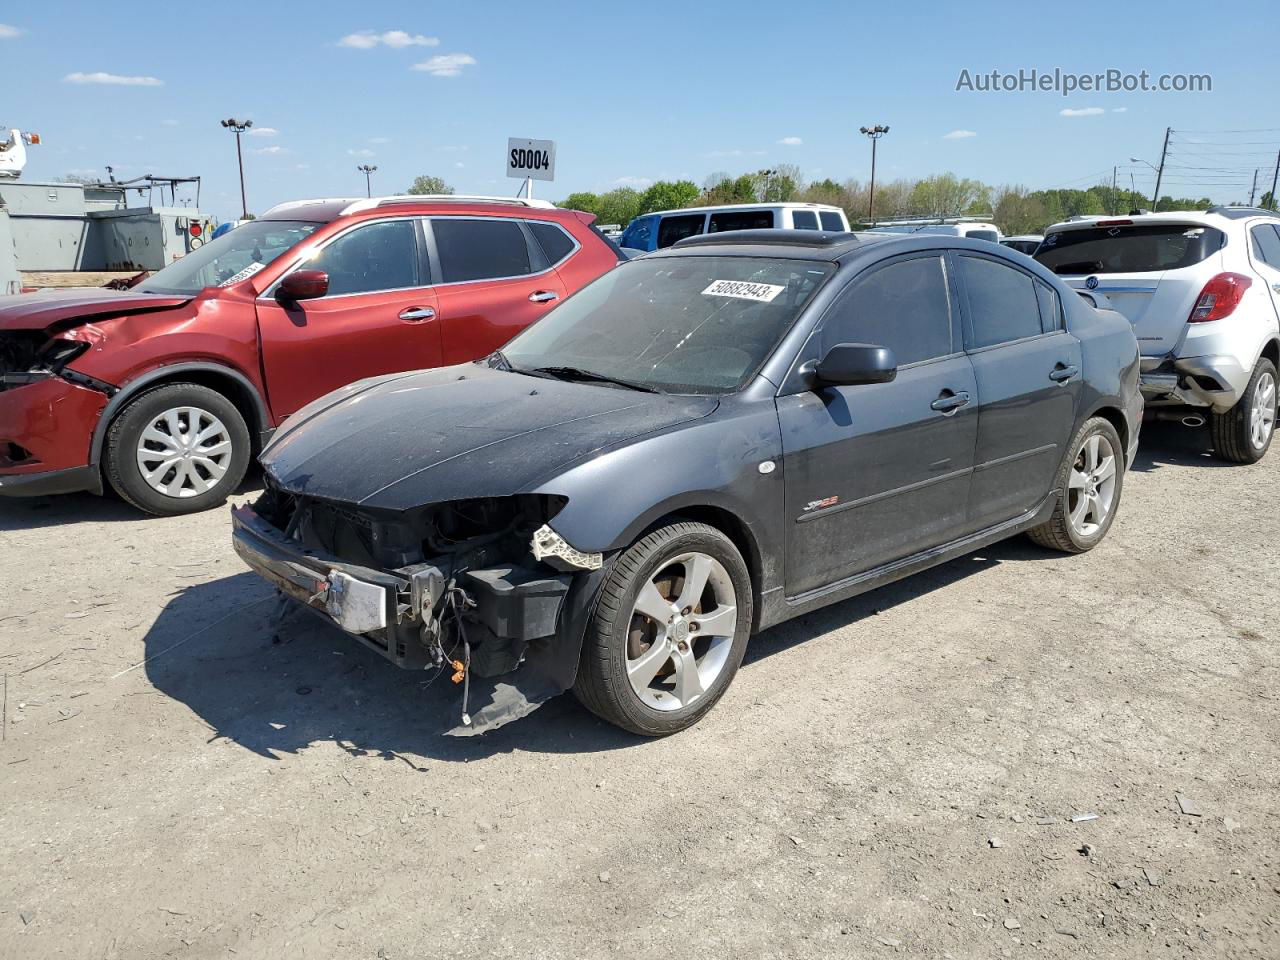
(950, 402)
(1062, 373)
(543, 296)
(417, 314)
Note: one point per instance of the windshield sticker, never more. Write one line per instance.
(244, 274)
(743, 290)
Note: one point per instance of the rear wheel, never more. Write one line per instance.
(1243, 434)
(177, 449)
(1091, 479)
(669, 630)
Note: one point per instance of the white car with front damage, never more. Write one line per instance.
(1202, 290)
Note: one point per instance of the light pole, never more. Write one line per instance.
(1154, 170)
(875, 133)
(765, 177)
(238, 127)
(367, 170)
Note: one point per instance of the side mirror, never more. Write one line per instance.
(847, 364)
(303, 285)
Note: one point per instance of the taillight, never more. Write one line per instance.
(1219, 298)
(195, 230)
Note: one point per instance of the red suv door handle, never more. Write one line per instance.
(543, 296)
(417, 314)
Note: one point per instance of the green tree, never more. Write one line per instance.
(586, 202)
(666, 195)
(429, 185)
(1268, 202)
(621, 205)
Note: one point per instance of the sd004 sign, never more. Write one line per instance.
(531, 158)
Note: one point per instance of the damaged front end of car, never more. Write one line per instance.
(482, 589)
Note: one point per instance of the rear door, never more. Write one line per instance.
(378, 317)
(877, 472)
(677, 227)
(1264, 252)
(1028, 372)
(495, 281)
(1151, 272)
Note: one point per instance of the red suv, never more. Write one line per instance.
(168, 389)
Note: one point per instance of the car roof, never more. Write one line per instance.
(719, 207)
(330, 208)
(1220, 217)
(817, 244)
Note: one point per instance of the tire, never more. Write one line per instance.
(695, 665)
(203, 479)
(1075, 527)
(1236, 433)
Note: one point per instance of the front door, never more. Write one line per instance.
(379, 316)
(878, 472)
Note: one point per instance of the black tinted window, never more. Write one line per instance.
(677, 228)
(1002, 301)
(1121, 249)
(480, 249)
(1050, 311)
(1266, 244)
(804, 219)
(380, 256)
(741, 220)
(831, 221)
(555, 243)
(903, 306)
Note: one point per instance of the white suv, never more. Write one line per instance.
(1202, 290)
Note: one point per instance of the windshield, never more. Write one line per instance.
(676, 324)
(1128, 249)
(233, 257)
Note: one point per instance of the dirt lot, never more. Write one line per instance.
(894, 776)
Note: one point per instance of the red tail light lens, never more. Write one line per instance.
(1219, 298)
(195, 230)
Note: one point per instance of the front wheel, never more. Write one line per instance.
(1243, 434)
(1091, 479)
(669, 630)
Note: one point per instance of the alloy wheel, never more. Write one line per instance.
(1262, 418)
(184, 452)
(1091, 487)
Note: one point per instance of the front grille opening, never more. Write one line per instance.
(15, 455)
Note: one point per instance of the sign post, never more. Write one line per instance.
(531, 160)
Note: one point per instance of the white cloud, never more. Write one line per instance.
(791, 141)
(459, 164)
(303, 166)
(446, 64)
(273, 149)
(639, 183)
(1082, 112)
(395, 39)
(362, 152)
(112, 79)
(1119, 109)
(263, 132)
(958, 135)
(169, 123)
(379, 139)
(7, 32)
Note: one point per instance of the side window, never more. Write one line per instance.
(804, 219)
(831, 221)
(672, 229)
(555, 243)
(1050, 309)
(1266, 244)
(480, 249)
(379, 256)
(904, 306)
(1002, 301)
(741, 220)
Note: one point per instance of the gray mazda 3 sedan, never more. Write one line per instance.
(702, 443)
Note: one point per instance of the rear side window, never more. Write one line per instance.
(831, 221)
(480, 249)
(1138, 249)
(677, 228)
(903, 306)
(988, 235)
(1003, 304)
(379, 256)
(1266, 244)
(1050, 309)
(804, 219)
(741, 220)
(555, 243)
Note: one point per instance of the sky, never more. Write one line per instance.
(632, 93)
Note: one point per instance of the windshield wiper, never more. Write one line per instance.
(577, 373)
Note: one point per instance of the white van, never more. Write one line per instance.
(653, 231)
(976, 229)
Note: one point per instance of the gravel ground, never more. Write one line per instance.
(985, 760)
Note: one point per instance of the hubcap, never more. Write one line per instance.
(184, 452)
(681, 632)
(1091, 488)
(1262, 418)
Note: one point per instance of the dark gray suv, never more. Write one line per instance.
(704, 442)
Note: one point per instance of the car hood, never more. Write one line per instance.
(406, 440)
(59, 309)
